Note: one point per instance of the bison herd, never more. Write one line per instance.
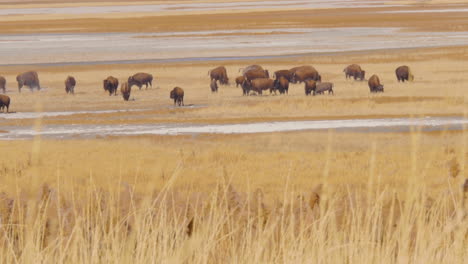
(254, 80)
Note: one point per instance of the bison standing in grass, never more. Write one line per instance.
(403, 73)
(2, 84)
(140, 79)
(125, 89)
(253, 72)
(30, 79)
(219, 74)
(374, 84)
(259, 85)
(110, 85)
(70, 84)
(178, 95)
(287, 74)
(354, 71)
(310, 86)
(306, 73)
(240, 80)
(4, 102)
(321, 88)
(214, 86)
(282, 85)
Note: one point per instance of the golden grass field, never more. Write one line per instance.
(296, 197)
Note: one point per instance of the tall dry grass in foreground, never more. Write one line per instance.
(373, 225)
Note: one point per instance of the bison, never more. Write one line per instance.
(125, 89)
(30, 79)
(281, 84)
(214, 86)
(253, 67)
(287, 74)
(240, 80)
(354, 71)
(4, 102)
(256, 74)
(140, 79)
(219, 74)
(110, 84)
(178, 95)
(403, 73)
(310, 86)
(374, 84)
(306, 73)
(2, 84)
(259, 85)
(323, 87)
(70, 84)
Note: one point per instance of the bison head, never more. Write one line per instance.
(20, 81)
(105, 82)
(362, 75)
(172, 95)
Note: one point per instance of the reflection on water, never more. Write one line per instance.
(366, 125)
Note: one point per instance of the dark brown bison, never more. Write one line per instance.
(2, 84)
(354, 71)
(374, 84)
(125, 89)
(323, 87)
(256, 74)
(306, 73)
(282, 85)
(240, 80)
(70, 84)
(259, 85)
(110, 85)
(283, 73)
(253, 67)
(214, 86)
(403, 73)
(310, 86)
(30, 79)
(140, 79)
(178, 95)
(219, 74)
(4, 102)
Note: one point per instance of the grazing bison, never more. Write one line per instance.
(256, 74)
(110, 84)
(214, 86)
(354, 71)
(70, 84)
(283, 73)
(323, 87)
(219, 74)
(2, 84)
(4, 102)
(281, 84)
(259, 85)
(240, 80)
(30, 79)
(403, 73)
(310, 86)
(140, 79)
(374, 84)
(306, 73)
(178, 95)
(125, 89)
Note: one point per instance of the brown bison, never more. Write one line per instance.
(403, 73)
(282, 85)
(125, 89)
(259, 85)
(219, 74)
(253, 67)
(321, 88)
(374, 84)
(256, 74)
(140, 79)
(306, 73)
(240, 80)
(30, 79)
(178, 95)
(2, 84)
(310, 86)
(354, 71)
(214, 86)
(70, 84)
(4, 102)
(283, 73)
(110, 85)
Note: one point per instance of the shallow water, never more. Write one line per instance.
(34, 115)
(92, 48)
(358, 125)
(187, 7)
